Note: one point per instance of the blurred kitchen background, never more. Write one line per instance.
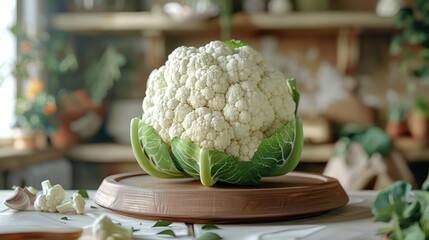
(73, 74)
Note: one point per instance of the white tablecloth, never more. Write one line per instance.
(353, 221)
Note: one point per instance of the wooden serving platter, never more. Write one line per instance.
(291, 196)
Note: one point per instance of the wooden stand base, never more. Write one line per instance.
(294, 195)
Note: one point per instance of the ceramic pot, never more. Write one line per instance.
(419, 126)
(396, 129)
(63, 137)
(72, 107)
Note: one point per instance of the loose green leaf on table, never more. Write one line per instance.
(161, 223)
(167, 232)
(65, 218)
(209, 226)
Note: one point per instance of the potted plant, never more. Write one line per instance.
(75, 87)
(36, 117)
(396, 125)
(35, 109)
(88, 100)
(418, 121)
(411, 44)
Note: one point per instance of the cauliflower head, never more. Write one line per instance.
(218, 113)
(218, 97)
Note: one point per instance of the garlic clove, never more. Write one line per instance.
(19, 201)
(31, 196)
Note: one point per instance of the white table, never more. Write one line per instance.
(353, 221)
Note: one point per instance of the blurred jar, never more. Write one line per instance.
(253, 6)
(312, 5)
(388, 8)
(279, 6)
(102, 5)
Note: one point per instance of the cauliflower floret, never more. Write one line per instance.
(104, 229)
(51, 197)
(219, 97)
(75, 205)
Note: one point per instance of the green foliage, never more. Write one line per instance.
(52, 57)
(391, 202)
(397, 112)
(406, 209)
(38, 113)
(414, 37)
(372, 139)
(101, 77)
(421, 107)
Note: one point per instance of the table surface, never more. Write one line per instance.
(353, 221)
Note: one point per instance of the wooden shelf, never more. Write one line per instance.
(122, 21)
(329, 19)
(12, 159)
(346, 26)
(146, 21)
(412, 150)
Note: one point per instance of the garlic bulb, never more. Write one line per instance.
(21, 200)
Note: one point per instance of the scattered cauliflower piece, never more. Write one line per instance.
(75, 205)
(104, 229)
(51, 197)
(218, 97)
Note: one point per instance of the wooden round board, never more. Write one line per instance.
(293, 195)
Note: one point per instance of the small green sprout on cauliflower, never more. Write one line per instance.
(104, 229)
(75, 205)
(218, 113)
(51, 197)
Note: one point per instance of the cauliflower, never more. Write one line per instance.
(218, 112)
(218, 97)
(75, 205)
(104, 229)
(50, 197)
